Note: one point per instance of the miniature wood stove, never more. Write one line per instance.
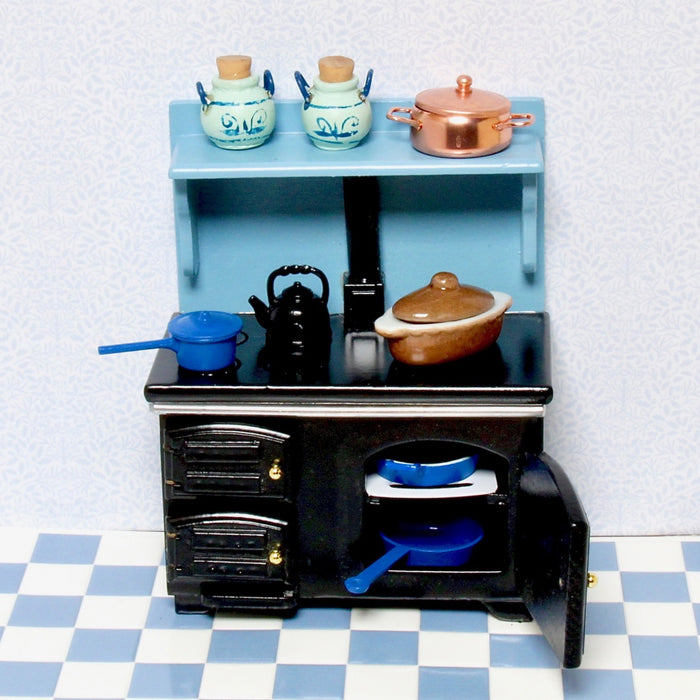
(272, 499)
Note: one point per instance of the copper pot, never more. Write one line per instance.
(460, 122)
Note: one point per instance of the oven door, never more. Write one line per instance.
(552, 553)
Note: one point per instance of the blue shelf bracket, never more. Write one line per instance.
(528, 223)
(186, 195)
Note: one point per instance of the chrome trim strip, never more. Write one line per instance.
(374, 410)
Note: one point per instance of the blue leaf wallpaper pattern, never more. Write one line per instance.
(87, 243)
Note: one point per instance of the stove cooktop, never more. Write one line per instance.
(515, 370)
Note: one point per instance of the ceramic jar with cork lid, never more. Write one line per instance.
(238, 113)
(335, 113)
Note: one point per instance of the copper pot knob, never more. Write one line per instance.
(464, 85)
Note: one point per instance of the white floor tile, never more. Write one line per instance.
(35, 643)
(649, 554)
(674, 685)
(693, 579)
(94, 680)
(168, 646)
(670, 619)
(525, 684)
(160, 584)
(233, 621)
(385, 619)
(608, 588)
(17, 544)
(365, 682)
(7, 603)
(113, 612)
(496, 626)
(606, 651)
(130, 549)
(237, 682)
(313, 646)
(56, 579)
(463, 650)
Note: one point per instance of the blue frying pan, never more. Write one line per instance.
(447, 544)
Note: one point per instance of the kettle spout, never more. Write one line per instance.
(262, 313)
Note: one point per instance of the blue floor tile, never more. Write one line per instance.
(605, 618)
(166, 681)
(45, 611)
(691, 554)
(162, 615)
(104, 645)
(306, 682)
(654, 587)
(442, 683)
(243, 646)
(65, 549)
(665, 652)
(580, 684)
(319, 618)
(454, 621)
(521, 651)
(383, 647)
(28, 678)
(11, 576)
(122, 580)
(602, 556)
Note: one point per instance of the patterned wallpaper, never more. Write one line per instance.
(87, 251)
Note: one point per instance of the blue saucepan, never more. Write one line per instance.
(427, 474)
(204, 341)
(447, 544)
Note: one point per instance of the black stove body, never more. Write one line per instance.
(271, 486)
(270, 496)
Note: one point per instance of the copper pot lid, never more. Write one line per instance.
(463, 99)
(444, 299)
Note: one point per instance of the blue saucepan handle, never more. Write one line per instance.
(169, 343)
(361, 583)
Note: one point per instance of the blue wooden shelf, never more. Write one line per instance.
(386, 151)
(509, 212)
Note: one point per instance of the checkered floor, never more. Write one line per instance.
(87, 616)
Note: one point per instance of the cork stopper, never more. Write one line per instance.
(233, 67)
(335, 69)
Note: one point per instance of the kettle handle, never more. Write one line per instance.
(296, 270)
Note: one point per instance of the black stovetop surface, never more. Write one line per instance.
(516, 370)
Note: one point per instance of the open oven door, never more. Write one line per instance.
(552, 546)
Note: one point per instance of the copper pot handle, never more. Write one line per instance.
(522, 120)
(406, 110)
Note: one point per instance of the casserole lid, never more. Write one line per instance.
(444, 299)
(463, 100)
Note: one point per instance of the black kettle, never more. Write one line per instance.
(297, 321)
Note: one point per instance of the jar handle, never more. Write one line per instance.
(364, 93)
(522, 120)
(303, 87)
(202, 94)
(406, 110)
(268, 83)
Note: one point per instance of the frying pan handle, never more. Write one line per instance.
(406, 110)
(361, 583)
(169, 343)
